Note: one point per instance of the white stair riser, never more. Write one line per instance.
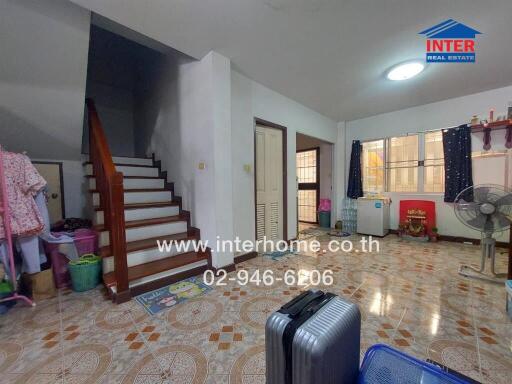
(139, 197)
(129, 171)
(148, 232)
(142, 257)
(161, 275)
(141, 214)
(132, 160)
(135, 183)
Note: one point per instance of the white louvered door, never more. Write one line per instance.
(269, 183)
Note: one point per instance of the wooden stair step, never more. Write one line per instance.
(132, 177)
(158, 266)
(184, 216)
(139, 245)
(136, 190)
(171, 203)
(126, 165)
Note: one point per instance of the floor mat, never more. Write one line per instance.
(337, 233)
(276, 255)
(167, 297)
(309, 233)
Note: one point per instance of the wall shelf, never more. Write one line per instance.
(495, 125)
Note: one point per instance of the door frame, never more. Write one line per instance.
(61, 176)
(317, 149)
(283, 129)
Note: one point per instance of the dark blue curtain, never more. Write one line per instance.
(355, 178)
(457, 162)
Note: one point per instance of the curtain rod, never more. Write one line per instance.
(408, 134)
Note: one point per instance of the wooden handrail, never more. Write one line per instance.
(109, 184)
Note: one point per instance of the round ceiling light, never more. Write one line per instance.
(405, 71)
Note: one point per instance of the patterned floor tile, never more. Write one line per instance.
(410, 296)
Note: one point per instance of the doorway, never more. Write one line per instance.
(314, 165)
(308, 182)
(270, 180)
(52, 173)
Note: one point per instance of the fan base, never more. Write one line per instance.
(473, 273)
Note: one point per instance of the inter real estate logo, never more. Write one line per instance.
(450, 42)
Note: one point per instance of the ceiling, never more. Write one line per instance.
(330, 55)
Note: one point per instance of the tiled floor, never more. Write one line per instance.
(305, 226)
(410, 296)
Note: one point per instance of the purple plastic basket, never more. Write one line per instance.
(61, 274)
(86, 241)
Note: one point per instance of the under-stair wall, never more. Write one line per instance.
(183, 117)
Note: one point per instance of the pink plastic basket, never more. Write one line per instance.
(86, 241)
(325, 205)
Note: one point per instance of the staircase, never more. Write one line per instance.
(151, 212)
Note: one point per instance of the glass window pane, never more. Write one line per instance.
(434, 162)
(402, 164)
(373, 166)
(307, 173)
(307, 205)
(306, 166)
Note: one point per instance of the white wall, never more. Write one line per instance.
(249, 100)
(185, 120)
(112, 79)
(115, 107)
(326, 154)
(447, 113)
(42, 76)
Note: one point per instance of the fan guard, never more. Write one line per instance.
(488, 209)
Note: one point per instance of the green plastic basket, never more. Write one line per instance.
(85, 272)
(5, 288)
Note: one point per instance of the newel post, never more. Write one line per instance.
(118, 237)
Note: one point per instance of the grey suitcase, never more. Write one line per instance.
(313, 339)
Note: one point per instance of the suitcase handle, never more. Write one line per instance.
(295, 300)
(327, 297)
(301, 302)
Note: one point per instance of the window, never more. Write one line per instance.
(492, 167)
(412, 163)
(402, 163)
(373, 166)
(434, 162)
(308, 179)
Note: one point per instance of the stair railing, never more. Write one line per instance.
(109, 184)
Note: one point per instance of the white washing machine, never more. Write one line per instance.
(373, 216)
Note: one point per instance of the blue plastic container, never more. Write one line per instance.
(385, 365)
(324, 219)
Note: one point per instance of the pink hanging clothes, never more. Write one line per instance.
(23, 182)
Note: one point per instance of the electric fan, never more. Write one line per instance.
(488, 209)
